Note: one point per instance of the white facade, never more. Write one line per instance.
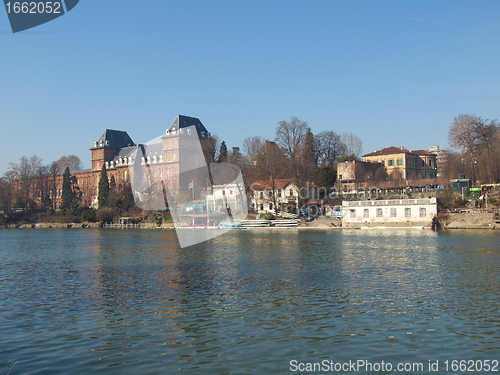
(397, 212)
(229, 195)
(288, 195)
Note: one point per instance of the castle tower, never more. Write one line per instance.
(107, 146)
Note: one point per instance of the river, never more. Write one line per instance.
(81, 301)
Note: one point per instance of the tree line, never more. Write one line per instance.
(478, 144)
(31, 186)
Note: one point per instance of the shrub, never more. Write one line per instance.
(88, 214)
(269, 217)
(105, 215)
(60, 219)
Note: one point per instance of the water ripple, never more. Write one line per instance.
(134, 302)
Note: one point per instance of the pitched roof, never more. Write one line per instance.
(113, 139)
(423, 152)
(398, 150)
(279, 183)
(182, 122)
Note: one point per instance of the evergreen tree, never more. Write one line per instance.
(222, 153)
(113, 193)
(103, 195)
(70, 194)
(310, 153)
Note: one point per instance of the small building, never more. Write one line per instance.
(352, 175)
(287, 195)
(461, 182)
(394, 212)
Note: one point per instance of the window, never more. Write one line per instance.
(399, 161)
(270, 206)
(393, 212)
(279, 193)
(366, 213)
(262, 207)
(391, 162)
(352, 213)
(423, 212)
(407, 212)
(340, 177)
(270, 194)
(379, 212)
(383, 162)
(291, 192)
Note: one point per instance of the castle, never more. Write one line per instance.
(117, 152)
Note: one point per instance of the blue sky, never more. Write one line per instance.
(395, 73)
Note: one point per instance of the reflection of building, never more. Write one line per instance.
(286, 195)
(117, 152)
(397, 212)
(354, 174)
(403, 164)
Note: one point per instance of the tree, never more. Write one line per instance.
(462, 134)
(251, 146)
(103, 194)
(353, 145)
(209, 148)
(43, 188)
(329, 148)
(222, 153)
(291, 135)
(475, 137)
(72, 162)
(70, 194)
(24, 174)
(271, 165)
(6, 192)
(304, 163)
(327, 175)
(54, 170)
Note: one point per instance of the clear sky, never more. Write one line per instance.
(395, 73)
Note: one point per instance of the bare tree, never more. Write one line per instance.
(251, 146)
(72, 162)
(353, 145)
(291, 135)
(6, 192)
(271, 165)
(329, 148)
(25, 174)
(475, 137)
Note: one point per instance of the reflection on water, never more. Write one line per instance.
(134, 302)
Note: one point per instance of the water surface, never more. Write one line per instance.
(130, 302)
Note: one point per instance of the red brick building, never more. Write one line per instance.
(116, 150)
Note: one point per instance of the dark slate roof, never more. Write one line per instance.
(114, 139)
(182, 122)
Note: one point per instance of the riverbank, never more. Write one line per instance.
(456, 220)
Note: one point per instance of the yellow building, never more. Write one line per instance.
(403, 164)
